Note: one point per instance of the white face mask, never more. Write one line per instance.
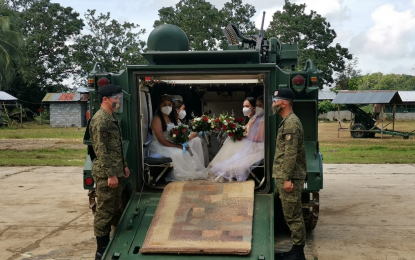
(166, 110)
(246, 111)
(259, 111)
(182, 114)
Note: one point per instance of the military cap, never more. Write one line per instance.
(284, 93)
(109, 90)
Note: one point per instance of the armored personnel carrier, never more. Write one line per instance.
(209, 83)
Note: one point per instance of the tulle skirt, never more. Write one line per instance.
(185, 166)
(235, 160)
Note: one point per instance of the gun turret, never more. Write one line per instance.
(271, 51)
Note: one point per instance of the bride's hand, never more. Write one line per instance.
(193, 135)
(181, 147)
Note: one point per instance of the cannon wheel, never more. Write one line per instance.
(356, 133)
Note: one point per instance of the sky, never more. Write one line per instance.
(380, 33)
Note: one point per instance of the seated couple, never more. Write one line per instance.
(233, 161)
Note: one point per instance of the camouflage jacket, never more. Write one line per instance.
(290, 160)
(106, 140)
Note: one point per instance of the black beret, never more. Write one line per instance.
(109, 90)
(284, 93)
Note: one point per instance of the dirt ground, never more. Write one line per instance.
(31, 144)
(366, 213)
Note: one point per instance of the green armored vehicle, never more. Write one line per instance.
(209, 83)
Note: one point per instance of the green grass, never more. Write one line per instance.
(41, 157)
(345, 149)
(368, 155)
(41, 131)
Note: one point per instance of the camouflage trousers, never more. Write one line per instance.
(292, 208)
(109, 206)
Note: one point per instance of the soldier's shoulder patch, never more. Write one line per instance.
(289, 130)
(288, 137)
(103, 133)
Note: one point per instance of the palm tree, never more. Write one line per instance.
(11, 40)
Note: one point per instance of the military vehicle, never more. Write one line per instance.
(209, 82)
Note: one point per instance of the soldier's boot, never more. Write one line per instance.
(297, 253)
(102, 243)
(282, 255)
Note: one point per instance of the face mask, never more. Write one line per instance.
(276, 109)
(259, 111)
(166, 110)
(182, 114)
(117, 104)
(246, 111)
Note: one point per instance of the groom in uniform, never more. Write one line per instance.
(290, 170)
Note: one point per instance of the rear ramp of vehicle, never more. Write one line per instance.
(212, 220)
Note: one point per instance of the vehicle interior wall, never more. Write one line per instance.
(198, 100)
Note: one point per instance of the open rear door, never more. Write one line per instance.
(134, 226)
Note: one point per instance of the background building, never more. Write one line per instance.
(67, 109)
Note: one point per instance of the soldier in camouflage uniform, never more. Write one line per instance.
(109, 167)
(290, 171)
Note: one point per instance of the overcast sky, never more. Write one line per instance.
(381, 33)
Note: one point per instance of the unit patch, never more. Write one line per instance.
(288, 137)
(104, 135)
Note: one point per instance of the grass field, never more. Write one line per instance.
(43, 156)
(345, 149)
(65, 146)
(41, 131)
(42, 145)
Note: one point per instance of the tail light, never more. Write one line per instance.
(89, 181)
(90, 83)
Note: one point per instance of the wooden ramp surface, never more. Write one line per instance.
(202, 217)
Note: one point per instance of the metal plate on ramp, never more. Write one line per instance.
(201, 217)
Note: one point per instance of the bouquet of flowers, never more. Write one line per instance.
(230, 125)
(180, 135)
(202, 125)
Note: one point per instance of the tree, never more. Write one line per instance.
(236, 13)
(113, 44)
(11, 40)
(379, 81)
(199, 19)
(326, 106)
(240, 15)
(47, 28)
(203, 23)
(345, 80)
(314, 37)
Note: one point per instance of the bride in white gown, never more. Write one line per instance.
(179, 113)
(185, 166)
(235, 159)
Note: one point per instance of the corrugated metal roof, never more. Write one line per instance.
(407, 96)
(326, 95)
(367, 97)
(59, 97)
(4, 96)
(82, 90)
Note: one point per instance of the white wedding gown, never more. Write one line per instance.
(185, 166)
(236, 159)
